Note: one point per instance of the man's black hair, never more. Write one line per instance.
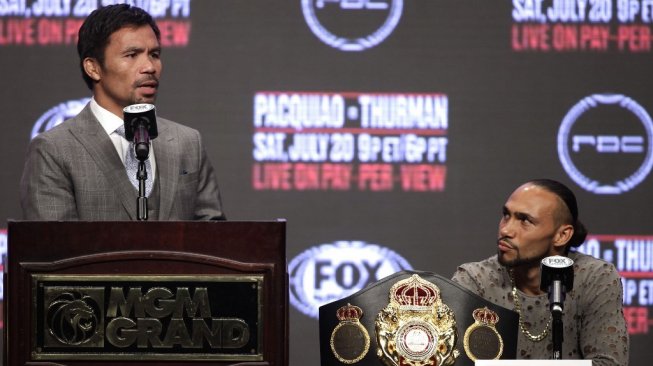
(101, 24)
(567, 196)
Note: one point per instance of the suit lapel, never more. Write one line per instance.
(99, 146)
(166, 153)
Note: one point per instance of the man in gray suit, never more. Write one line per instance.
(76, 170)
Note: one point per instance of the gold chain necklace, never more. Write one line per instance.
(527, 333)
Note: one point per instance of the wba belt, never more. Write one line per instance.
(414, 318)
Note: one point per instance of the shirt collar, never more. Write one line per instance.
(109, 121)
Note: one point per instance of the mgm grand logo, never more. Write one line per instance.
(147, 317)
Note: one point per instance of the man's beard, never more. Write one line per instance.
(150, 99)
(518, 261)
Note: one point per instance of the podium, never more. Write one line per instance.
(146, 293)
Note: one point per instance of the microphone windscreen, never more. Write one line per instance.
(136, 114)
(556, 268)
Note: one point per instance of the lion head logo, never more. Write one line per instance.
(72, 318)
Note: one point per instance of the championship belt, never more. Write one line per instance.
(482, 340)
(416, 328)
(411, 325)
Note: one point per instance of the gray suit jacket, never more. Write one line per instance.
(73, 172)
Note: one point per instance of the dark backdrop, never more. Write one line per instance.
(508, 90)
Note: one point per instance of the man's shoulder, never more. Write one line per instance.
(166, 125)
(62, 130)
(591, 266)
(484, 269)
(477, 277)
(170, 123)
(587, 260)
(490, 263)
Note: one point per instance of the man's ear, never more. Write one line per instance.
(92, 68)
(562, 236)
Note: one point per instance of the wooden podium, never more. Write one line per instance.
(146, 293)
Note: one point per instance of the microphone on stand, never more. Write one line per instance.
(140, 128)
(557, 278)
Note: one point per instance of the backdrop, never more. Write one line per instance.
(388, 133)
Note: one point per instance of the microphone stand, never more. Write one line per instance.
(140, 129)
(557, 278)
(141, 201)
(142, 152)
(557, 335)
(556, 298)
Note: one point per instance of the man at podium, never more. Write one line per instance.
(540, 219)
(81, 169)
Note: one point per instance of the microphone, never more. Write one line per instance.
(557, 278)
(140, 128)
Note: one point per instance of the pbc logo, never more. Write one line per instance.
(57, 114)
(604, 143)
(352, 25)
(610, 144)
(329, 272)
